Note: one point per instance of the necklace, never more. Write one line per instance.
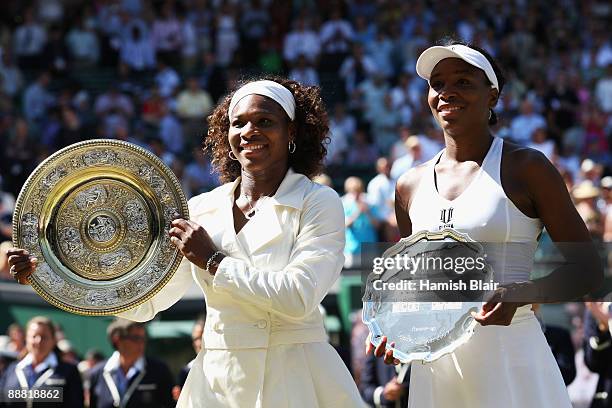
(253, 210)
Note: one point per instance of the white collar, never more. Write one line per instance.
(113, 365)
(287, 194)
(50, 361)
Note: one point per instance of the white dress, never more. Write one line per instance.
(500, 366)
(264, 344)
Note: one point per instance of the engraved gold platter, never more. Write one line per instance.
(96, 214)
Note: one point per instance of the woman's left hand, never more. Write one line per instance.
(495, 311)
(193, 241)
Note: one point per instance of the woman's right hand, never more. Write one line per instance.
(379, 351)
(22, 264)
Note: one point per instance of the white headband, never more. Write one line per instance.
(271, 89)
(431, 56)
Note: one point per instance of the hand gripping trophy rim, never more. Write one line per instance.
(378, 313)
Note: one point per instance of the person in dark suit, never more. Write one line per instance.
(597, 351)
(559, 340)
(41, 369)
(196, 339)
(128, 378)
(384, 385)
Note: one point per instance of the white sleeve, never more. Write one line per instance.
(174, 290)
(314, 265)
(166, 297)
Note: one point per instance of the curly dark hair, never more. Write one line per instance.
(311, 129)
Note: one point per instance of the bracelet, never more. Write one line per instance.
(212, 261)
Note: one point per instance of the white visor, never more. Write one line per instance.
(271, 89)
(431, 56)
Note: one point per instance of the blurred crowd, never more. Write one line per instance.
(149, 72)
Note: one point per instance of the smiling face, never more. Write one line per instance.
(460, 96)
(259, 134)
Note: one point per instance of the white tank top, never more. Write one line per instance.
(484, 212)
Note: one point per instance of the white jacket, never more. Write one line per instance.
(264, 340)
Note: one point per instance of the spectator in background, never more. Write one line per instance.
(413, 158)
(336, 36)
(171, 131)
(137, 50)
(381, 193)
(342, 120)
(71, 130)
(363, 151)
(151, 110)
(603, 90)
(193, 104)
(129, 378)
(585, 195)
(37, 99)
(384, 386)
(561, 103)
(199, 175)
(304, 73)
(380, 51)
(212, 77)
(166, 79)
(355, 69)
(385, 125)
(55, 54)
(196, 342)
(18, 157)
(158, 148)
(540, 142)
(360, 218)
(41, 368)
(114, 110)
(29, 41)
(342, 127)
(404, 96)
(560, 341)
(92, 358)
(301, 41)
(83, 44)
(10, 75)
(523, 125)
(254, 24)
(189, 47)
(166, 34)
(17, 339)
(114, 101)
(227, 37)
(597, 350)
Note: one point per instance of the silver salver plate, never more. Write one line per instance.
(97, 214)
(427, 324)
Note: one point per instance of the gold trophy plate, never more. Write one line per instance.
(96, 214)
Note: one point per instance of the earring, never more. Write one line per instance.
(232, 155)
(490, 113)
(292, 146)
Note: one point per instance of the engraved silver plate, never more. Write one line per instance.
(97, 214)
(425, 323)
